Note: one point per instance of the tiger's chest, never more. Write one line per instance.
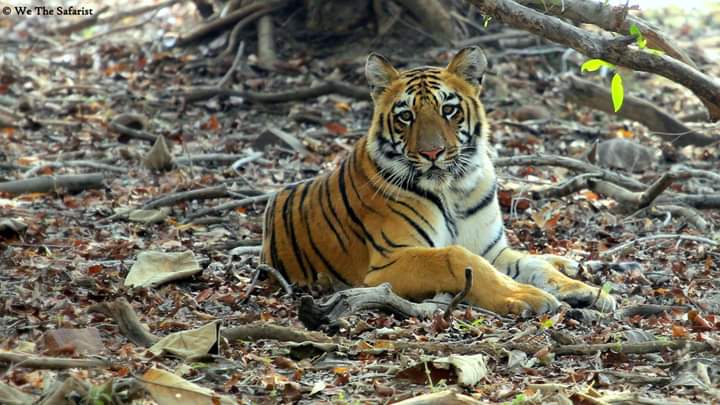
(472, 216)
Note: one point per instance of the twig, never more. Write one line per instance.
(195, 94)
(692, 216)
(55, 363)
(279, 277)
(457, 299)
(70, 163)
(45, 184)
(262, 330)
(243, 250)
(197, 194)
(245, 160)
(679, 237)
(225, 81)
(228, 206)
(655, 346)
(655, 189)
(572, 164)
(210, 157)
(133, 133)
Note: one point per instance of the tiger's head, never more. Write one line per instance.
(429, 127)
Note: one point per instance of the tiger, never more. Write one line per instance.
(415, 204)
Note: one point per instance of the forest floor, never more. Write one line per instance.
(65, 251)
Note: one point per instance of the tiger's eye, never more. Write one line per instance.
(406, 116)
(449, 110)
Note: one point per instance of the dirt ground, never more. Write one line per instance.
(64, 251)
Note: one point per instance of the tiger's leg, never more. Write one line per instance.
(417, 272)
(544, 273)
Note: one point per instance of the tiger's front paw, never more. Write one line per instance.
(526, 300)
(579, 294)
(567, 266)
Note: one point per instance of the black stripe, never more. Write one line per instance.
(391, 243)
(517, 268)
(287, 221)
(415, 226)
(332, 207)
(275, 260)
(376, 268)
(494, 242)
(325, 261)
(484, 202)
(352, 213)
(304, 218)
(499, 254)
(411, 208)
(437, 201)
(327, 218)
(358, 171)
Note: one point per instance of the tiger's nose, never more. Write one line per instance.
(432, 154)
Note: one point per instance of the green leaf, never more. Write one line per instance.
(635, 31)
(617, 91)
(592, 65)
(606, 288)
(486, 21)
(547, 324)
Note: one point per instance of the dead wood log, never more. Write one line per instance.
(613, 50)
(243, 16)
(662, 124)
(46, 184)
(316, 314)
(123, 313)
(132, 133)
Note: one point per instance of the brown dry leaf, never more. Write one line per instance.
(191, 343)
(168, 389)
(154, 268)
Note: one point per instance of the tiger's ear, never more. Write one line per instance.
(379, 72)
(470, 64)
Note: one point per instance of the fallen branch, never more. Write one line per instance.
(610, 18)
(73, 163)
(197, 194)
(46, 184)
(613, 50)
(228, 206)
(124, 314)
(662, 124)
(132, 133)
(630, 243)
(212, 158)
(54, 363)
(242, 16)
(196, 94)
(656, 346)
(572, 164)
(315, 314)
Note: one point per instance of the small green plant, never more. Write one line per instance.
(98, 396)
(617, 89)
(486, 21)
(547, 324)
(518, 400)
